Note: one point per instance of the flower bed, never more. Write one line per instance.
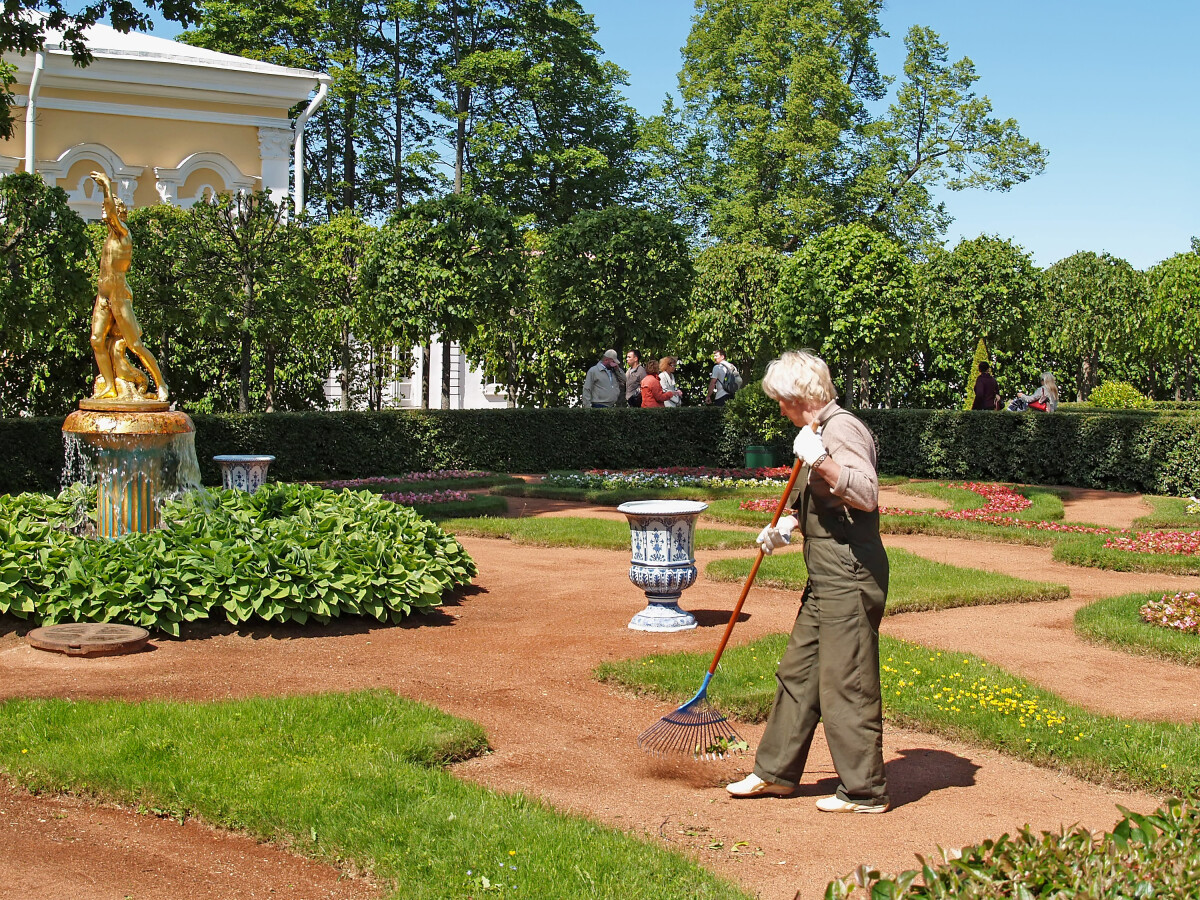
(411, 498)
(1002, 499)
(1180, 612)
(671, 477)
(409, 478)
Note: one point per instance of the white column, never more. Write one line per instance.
(274, 146)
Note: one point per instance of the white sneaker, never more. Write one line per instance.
(753, 786)
(836, 804)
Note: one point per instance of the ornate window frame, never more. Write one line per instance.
(85, 197)
(169, 181)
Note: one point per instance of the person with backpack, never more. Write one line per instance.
(724, 382)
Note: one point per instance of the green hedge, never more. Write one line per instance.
(324, 445)
(1137, 450)
(1124, 451)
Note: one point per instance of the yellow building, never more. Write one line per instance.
(164, 120)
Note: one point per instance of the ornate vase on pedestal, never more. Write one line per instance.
(243, 472)
(664, 564)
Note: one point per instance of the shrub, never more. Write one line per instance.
(1119, 395)
(286, 553)
(1143, 856)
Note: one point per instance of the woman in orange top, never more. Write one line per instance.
(652, 392)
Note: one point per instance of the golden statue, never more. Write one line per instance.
(115, 329)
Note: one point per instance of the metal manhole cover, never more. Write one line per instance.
(88, 638)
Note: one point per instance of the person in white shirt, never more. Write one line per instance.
(666, 377)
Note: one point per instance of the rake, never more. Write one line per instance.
(698, 727)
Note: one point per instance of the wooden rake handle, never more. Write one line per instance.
(754, 570)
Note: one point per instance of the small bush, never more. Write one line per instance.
(1119, 395)
(1143, 856)
(288, 553)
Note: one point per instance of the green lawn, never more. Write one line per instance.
(916, 583)
(1168, 512)
(1089, 550)
(579, 531)
(341, 777)
(957, 695)
(478, 505)
(1115, 621)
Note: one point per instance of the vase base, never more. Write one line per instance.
(663, 618)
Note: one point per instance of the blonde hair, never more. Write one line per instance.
(799, 375)
(666, 361)
(1050, 385)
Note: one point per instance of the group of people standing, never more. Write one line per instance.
(651, 384)
(987, 394)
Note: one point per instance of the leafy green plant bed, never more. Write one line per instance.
(341, 777)
(1143, 856)
(916, 583)
(286, 553)
(578, 531)
(957, 695)
(1116, 622)
(1168, 512)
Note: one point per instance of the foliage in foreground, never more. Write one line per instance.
(345, 778)
(1143, 856)
(286, 553)
(957, 695)
(916, 583)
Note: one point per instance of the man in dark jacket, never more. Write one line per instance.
(987, 392)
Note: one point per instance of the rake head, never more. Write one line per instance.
(697, 728)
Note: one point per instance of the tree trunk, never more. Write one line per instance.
(244, 374)
(848, 382)
(269, 375)
(425, 375)
(445, 404)
(864, 384)
(344, 379)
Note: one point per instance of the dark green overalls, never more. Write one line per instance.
(830, 669)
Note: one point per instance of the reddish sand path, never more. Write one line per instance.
(516, 654)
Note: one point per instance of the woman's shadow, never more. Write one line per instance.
(917, 772)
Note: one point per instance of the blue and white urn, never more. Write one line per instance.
(243, 472)
(662, 536)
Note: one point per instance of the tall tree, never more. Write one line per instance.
(47, 285)
(985, 289)
(939, 132)
(780, 94)
(781, 87)
(1173, 318)
(849, 294)
(449, 266)
(732, 305)
(617, 277)
(370, 143)
(255, 274)
(555, 136)
(1093, 305)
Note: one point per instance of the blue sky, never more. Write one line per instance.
(1108, 88)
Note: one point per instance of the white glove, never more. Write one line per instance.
(774, 537)
(808, 445)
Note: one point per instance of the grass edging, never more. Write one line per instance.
(1115, 622)
(916, 584)
(340, 777)
(957, 695)
(581, 531)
